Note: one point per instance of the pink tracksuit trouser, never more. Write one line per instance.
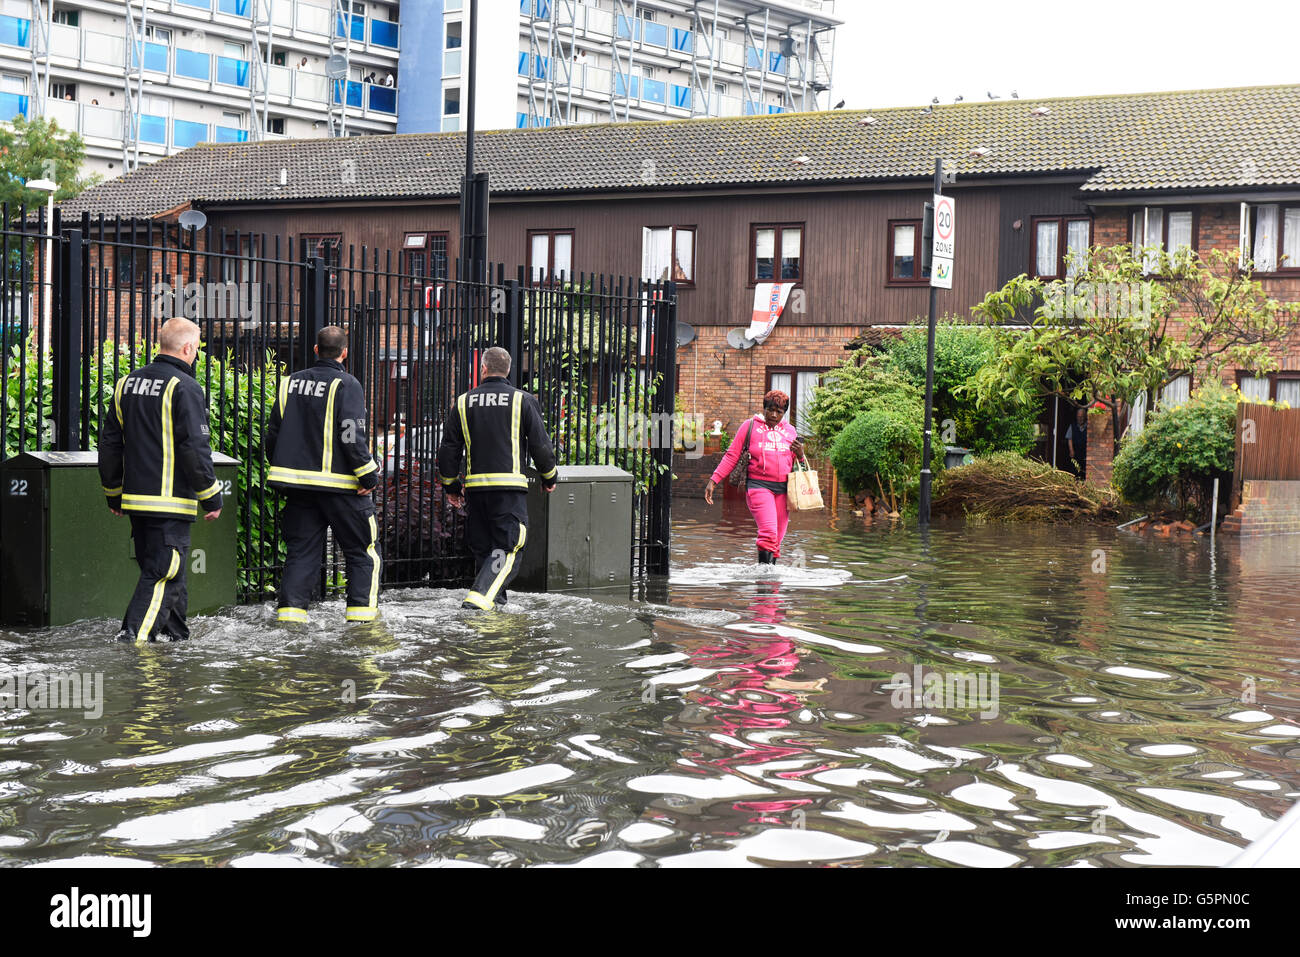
(769, 511)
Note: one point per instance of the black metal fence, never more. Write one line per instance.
(599, 352)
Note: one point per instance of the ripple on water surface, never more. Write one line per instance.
(975, 697)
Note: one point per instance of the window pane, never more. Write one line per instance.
(656, 254)
(791, 252)
(1045, 246)
(563, 254)
(805, 389)
(1138, 239)
(781, 382)
(1264, 250)
(904, 252)
(541, 254)
(1180, 231)
(684, 256)
(1255, 388)
(1076, 239)
(764, 252)
(1288, 391)
(1152, 234)
(1291, 240)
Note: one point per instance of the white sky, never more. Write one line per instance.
(888, 53)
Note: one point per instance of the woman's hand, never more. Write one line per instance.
(797, 448)
(708, 491)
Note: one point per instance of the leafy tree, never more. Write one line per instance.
(40, 149)
(1090, 346)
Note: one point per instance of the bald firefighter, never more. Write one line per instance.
(496, 428)
(155, 463)
(321, 462)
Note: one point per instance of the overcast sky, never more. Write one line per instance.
(902, 54)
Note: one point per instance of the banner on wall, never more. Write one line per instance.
(769, 302)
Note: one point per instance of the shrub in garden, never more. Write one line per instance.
(879, 451)
(961, 350)
(1174, 460)
(857, 384)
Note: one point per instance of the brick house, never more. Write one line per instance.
(829, 201)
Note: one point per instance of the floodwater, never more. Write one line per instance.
(1085, 698)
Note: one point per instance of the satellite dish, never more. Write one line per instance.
(336, 67)
(685, 333)
(737, 339)
(193, 219)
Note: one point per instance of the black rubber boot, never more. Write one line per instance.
(126, 634)
(765, 557)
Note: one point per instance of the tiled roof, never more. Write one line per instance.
(1243, 137)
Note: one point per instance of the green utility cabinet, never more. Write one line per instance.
(64, 556)
(580, 535)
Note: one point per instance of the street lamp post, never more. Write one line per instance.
(49, 187)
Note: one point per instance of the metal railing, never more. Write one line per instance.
(599, 352)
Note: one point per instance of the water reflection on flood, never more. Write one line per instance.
(1146, 713)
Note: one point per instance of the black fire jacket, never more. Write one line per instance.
(317, 436)
(155, 456)
(497, 427)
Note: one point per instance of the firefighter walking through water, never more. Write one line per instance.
(155, 464)
(321, 462)
(496, 427)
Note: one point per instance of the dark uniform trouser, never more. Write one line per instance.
(162, 550)
(305, 517)
(496, 529)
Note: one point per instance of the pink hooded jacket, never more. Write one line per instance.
(770, 457)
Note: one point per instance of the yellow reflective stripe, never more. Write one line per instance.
(284, 394)
(448, 481)
(288, 476)
(514, 431)
(509, 563)
(360, 613)
(117, 400)
(365, 469)
(168, 441)
(551, 474)
(292, 614)
(160, 503)
(374, 557)
(155, 601)
(496, 478)
(327, 453)
(464, 430)
(210, 491)
(112, 491)
(478, 601)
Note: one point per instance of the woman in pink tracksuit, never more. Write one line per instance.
(773, 448)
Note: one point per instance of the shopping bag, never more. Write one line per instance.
(802, 492)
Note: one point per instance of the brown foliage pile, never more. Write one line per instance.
(1006, 486)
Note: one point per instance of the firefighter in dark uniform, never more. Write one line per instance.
(155, 463)
(497, 427)
(320, 460)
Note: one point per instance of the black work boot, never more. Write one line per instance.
(126, 634)
(765, 557)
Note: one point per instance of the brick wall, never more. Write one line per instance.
(1267, 508)
(1101, 448)
(719, 382)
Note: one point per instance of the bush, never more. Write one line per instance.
(857, 384)
(1174, 461)
(960, 351)
(880, 450)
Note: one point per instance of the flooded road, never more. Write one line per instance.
(981, 696)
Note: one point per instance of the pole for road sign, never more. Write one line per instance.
(923, 508)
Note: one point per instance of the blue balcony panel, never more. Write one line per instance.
(230, 134)
(153, 129)
(231, 71)
(383, 34)
(187, 133)
(12, 104)
(383, 99)
(191, 63)
(15, 32)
